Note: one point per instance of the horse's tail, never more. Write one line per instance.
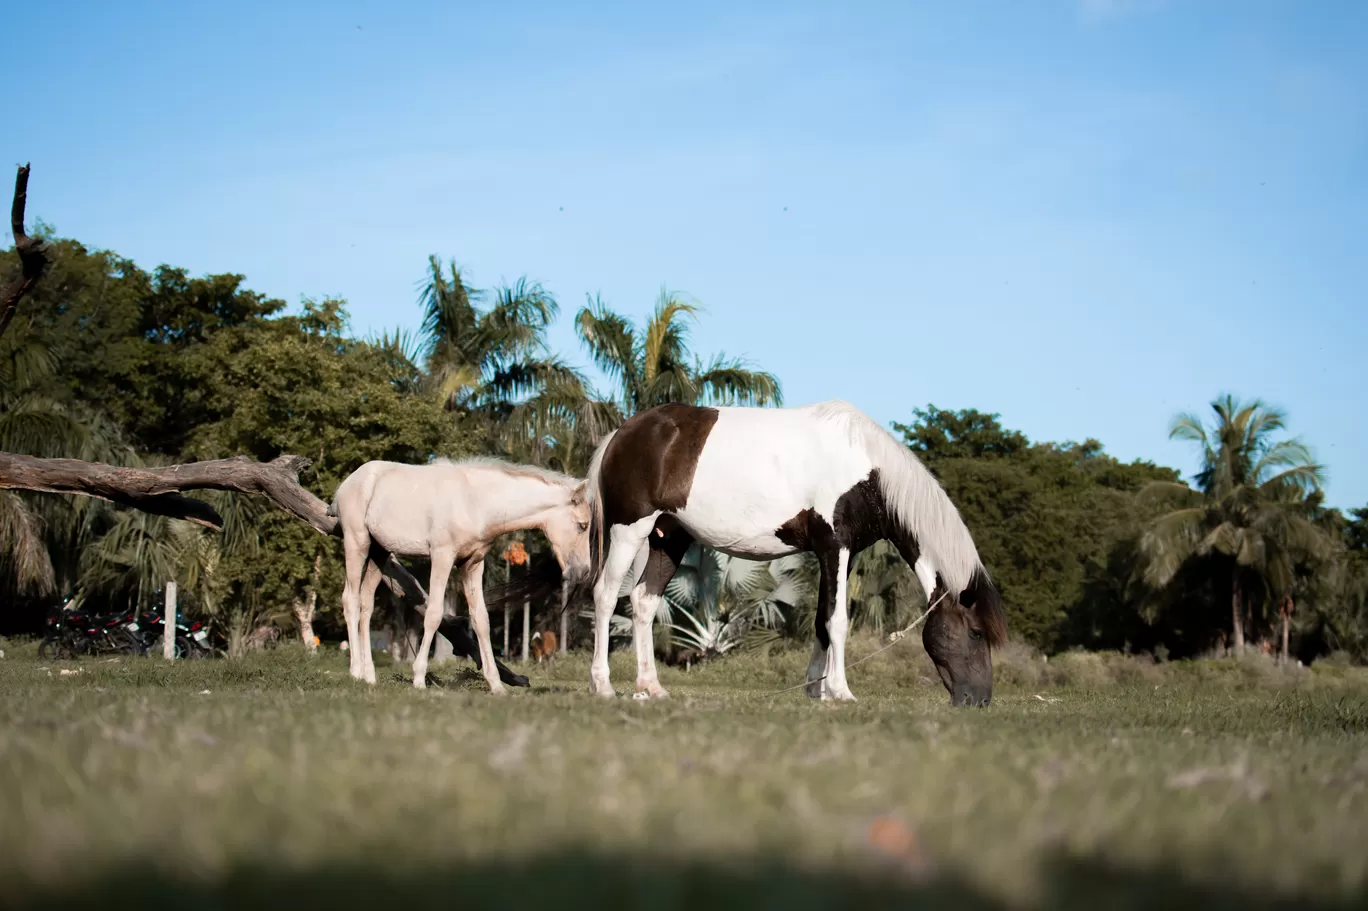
(332, 508)
(595, 496)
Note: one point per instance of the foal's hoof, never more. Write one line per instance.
(651, 692)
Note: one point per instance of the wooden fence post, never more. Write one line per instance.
(169, 624)
(527, 627)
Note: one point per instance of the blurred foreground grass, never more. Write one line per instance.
(275, 780)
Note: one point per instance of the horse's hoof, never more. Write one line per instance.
(519, 680)
(651, 692)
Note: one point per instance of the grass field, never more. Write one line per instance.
(275, 780)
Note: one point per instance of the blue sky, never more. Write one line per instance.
(1086, 215)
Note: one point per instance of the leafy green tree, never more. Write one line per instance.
(1250, 515)
(1046, 519)
(300, 385)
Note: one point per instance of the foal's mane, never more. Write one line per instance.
(513, 469)
(919, 504)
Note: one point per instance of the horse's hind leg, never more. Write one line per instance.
(370, 581)
(626, 542)
(647, 594)
(818, 676)
(472, 584)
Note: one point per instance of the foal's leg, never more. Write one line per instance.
(837, 688)
(369, 583)
(646, 597)
(626, 542)
(354, 546)
(472, 583)
(432, 617)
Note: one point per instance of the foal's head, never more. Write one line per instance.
(567, 528)
(960, 635)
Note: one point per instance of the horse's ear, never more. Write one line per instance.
(580, 494)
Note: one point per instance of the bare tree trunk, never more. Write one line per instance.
(508, 620)
(304, 610)
(1237, 612)
(32, 257)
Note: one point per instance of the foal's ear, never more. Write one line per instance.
(580, 494)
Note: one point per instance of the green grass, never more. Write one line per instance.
(1092, 781)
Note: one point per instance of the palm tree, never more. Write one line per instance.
(1251, 507)
(36, 530)
(493, 364)
(656, 366)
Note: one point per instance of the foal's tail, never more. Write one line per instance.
(595, 497)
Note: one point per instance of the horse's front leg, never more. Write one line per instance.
(432, 616)
(838, 629)
(472, 583)
(628, 542)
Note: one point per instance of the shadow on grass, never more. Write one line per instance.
(574, 880)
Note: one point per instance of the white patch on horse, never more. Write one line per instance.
(926, 575)
(759, 468)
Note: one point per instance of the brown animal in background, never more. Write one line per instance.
(544, 645)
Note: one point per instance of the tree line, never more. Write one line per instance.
(112, 363)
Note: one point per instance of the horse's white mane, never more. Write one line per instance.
(914, 495)
(512, 469)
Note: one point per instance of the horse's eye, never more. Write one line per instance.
(584, 526)
(976, 635)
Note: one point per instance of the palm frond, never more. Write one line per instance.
(731, 381)
(23, 551)
(612, 346)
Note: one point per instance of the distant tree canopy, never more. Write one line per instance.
(109, 362)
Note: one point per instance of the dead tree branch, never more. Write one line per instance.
(32, 257)
(157, 490)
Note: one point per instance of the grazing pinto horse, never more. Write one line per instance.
(450, 512)
(761, 483)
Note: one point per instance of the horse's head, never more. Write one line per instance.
(960, 634)
(567, 528)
